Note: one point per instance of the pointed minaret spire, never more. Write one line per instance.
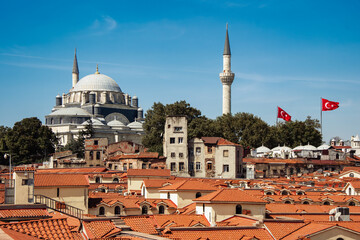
(75, 71)
(227, 44)
(97, 69)
(226, 76)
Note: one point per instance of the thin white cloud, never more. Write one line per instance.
(103, 25)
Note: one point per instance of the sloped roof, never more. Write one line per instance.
(229, 195)
(184, 185)
(100, 228)
(53, 180)
(148, 172)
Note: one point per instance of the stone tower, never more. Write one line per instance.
(75, 71)
(226, 76)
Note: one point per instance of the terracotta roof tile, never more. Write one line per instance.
(190, 185)
(148, 172)
(53, 180)
(281, 229)
(23, 213)
(100, 228)
(43, 229)
(225, 142)
(229, 195)
(73, 170)
(237, 221)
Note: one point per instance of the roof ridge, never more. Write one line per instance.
(217, 194)
(295, 230)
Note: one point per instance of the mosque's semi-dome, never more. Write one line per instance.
(70, 111)
(96, 82)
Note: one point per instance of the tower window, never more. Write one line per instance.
(172, 140)
(225, 153)
(225, 168)
(180, 140)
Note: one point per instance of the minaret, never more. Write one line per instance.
(75, 71)
(227, 77)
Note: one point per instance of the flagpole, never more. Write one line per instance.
(321, 117)
(277, 111)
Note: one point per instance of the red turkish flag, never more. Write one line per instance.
(282, 114)
(329, 105)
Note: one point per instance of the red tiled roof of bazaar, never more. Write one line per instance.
(279, 230)
(100, 229)
(73, 170)
(17, 235)
(229, 195)
(189, 185)
(23, 213)
(355, 184)
(237, 221)
(52, 180)
(156, 183)
(148, 172)
(302, 208)
(218, 234)
(357, 169)
(148, 224)
(43, 229)
(310, 228)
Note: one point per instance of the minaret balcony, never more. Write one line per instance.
(227, 77)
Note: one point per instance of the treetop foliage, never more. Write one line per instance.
(243, 128)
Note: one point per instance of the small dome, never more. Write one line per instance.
(97, 82)
(134, 97)
(135, 125)
(310, 147)
(115, 123)
(262, 149)
(72, 111)
(281, 149)
(323, 147)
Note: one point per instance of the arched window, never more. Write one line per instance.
(337, 156)
(287, 202)
(117, 210)
(101, 211)
(144, 210)
(269, 193)
(115, 180)
(352, 203)
(326, 203)
(198, 194)
(349, 191)
(161, 209)
(306, 202)
(238, 209)
(339, 239)
(97, 180)
(103, 190)
(300, 193)
(351, 175)
(168, 195)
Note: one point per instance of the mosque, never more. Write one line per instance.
(98, 100)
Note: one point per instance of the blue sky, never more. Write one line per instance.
(284, 53)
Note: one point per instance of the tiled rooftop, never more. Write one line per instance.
(55, 180)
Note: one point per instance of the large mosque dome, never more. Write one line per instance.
(96, 82)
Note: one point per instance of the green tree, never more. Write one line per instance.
(3, 146)
(245, 129)
(297, 133)
(29, 141)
